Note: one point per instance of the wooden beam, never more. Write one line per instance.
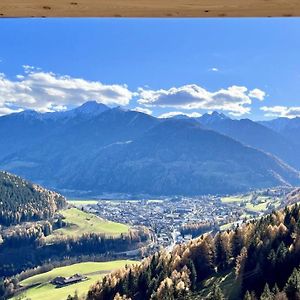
(149, 8)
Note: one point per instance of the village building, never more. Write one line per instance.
(60, 281)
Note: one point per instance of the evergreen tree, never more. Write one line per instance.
(275, 289)
(237, 242)
(216, 293)
(247, 296)
(193, 275)
(222, 250)
(266, 294)
(292, 287)
(281, 253)
(143, 283)
(131, 282)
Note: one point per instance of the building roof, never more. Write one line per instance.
(66, 280)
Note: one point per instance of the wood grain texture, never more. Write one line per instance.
(149, 8)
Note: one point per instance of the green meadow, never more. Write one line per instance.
(79, 222)
(82, 202)
(261, 203)
(44, 290)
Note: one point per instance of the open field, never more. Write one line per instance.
(234, 199)
(82, 202)
(43, 289)
(253, 204)
(260, 204)
(227, 226)
(80, 222)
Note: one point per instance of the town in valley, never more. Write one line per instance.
(175, 220)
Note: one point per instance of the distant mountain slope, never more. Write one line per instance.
(289, 128)
(178, 157)
(119, 151)
(255, 135)
(20, 130)
(21, 200)
(42, 149)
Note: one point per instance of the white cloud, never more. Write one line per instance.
(7, 110)
(234, 99)
(143, 110)
(257, 94)
(214, 69)
(179, 113)
(281, 111)
(47, 91)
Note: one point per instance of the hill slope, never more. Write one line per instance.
(289, 128)
(255, 135)
(178, 157)
(21, 200)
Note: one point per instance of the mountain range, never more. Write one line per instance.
(102, 150)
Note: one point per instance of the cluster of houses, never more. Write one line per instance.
(165, 217)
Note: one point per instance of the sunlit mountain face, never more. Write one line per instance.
(112, 150)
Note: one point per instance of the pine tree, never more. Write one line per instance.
(193, 274)
(292, 287)
(247, 296)
(216, 293)
(144, 282)
(275, 289)
(266, 294)
(131, 282)
(281, 253)
(237, 242)
(222, 250)
(271, 258)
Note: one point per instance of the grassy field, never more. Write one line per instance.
(258, 207)
(232, 199)
(253, 206)
(82, 202)
(226, 226)
(261, 202)
(80, 222)
(44, 290)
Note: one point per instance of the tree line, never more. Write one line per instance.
(27, 247)
(195, 229)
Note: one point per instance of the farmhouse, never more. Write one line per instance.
(62, 281)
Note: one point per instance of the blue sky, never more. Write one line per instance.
(236, 66)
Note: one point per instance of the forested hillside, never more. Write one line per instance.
(22, 201)
(258, 260)
(38, 228)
